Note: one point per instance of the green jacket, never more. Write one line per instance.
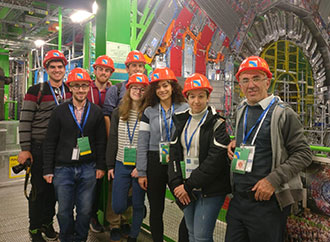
(291, 152)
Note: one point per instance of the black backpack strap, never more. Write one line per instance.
(41, 94)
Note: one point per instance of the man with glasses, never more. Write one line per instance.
(38, 104)
(74, 157)
(269, 152)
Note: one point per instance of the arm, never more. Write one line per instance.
(107, 125)
(100, 144)
(110, 101)
(214, 163)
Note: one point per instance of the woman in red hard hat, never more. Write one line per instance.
(198, 167)
(121, 152)
(164, 98)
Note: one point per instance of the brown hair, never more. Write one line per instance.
(126, 105)
(152, 99)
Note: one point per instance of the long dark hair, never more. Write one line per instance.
(152, 99)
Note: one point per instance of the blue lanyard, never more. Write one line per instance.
(75, 119)
(53, 93)
(188, 144)
(168, 130)
(92, 95)
(245, 137)
(129, 134)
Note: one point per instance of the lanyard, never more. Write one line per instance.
(168, 130)
(92, 94)
(75, 119)
(129, 134)
(188, 144)
(259, 122)
(54, 96)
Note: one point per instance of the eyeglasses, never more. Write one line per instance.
(255, 80)
(77, 86)
(138, 89)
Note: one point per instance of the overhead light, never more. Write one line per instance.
(39, 42)
(82, 15)
(95, 7)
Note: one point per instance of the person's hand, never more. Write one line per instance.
(182, 195)
(48, 178)
(143, 182)
(264, 190)
(111, 174)
(99, 173)
(134, 173)
(23, 156)
(230, 148)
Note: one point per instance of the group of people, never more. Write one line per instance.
(150, 133)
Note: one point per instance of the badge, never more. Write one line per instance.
(240, 159)
(249, 162)
(130, 156)
(164, 152)
(190, 165)
(75, 153)
(84, 147)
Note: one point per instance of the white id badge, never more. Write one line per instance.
(191, 164)
(249, 164)
(75, 153)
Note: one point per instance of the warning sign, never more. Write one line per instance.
(13, 162)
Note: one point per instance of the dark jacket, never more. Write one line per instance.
(112, 146)
(212, 175)
(62, 137)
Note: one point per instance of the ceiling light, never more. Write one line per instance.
(80, 16)
(39, 42)
(95, 7)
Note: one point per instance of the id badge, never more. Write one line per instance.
(130, 156)
(249, 163)
(239, 162)
(84, 147)
(164, 153)
(190, 165)
(75, 153)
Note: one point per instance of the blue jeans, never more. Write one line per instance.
(120, 199)
(201, 216)
(74, 186)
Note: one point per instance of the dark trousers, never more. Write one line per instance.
(157, 180)
(96, 202)
(42, 196)
(252, 221)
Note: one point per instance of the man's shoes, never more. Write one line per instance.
(125, 229)
(115, 235)
(36, 236)
(95, 226)
(49, 232)
(129, 239)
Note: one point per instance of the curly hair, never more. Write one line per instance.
(152, 99)
(126, 105)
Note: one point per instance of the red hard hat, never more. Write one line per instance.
(135, 56)
(137, 78)
(254, 63)
(164, 73)
(78, 75)
(104, 61)
(54, 55)
(196, 81)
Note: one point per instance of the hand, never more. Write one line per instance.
(48, 178)
(23, 156)
(99, 173)
(134, 173)
(111, 174)
(264, 190)
(182, 195)
(143, 182)
(230, 148)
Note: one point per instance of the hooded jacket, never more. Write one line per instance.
(212, 174)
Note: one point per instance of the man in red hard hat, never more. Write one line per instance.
(270, 151)
(74, 157)
(38, 104)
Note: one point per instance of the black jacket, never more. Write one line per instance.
(212, 174)
(62, 137)
(112, 146)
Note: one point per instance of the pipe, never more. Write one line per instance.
(59, 28)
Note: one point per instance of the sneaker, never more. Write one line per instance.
(125, 230)
(115, 235)
(49, 232)
(95, 226)
(129, 239)
(36, 236)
